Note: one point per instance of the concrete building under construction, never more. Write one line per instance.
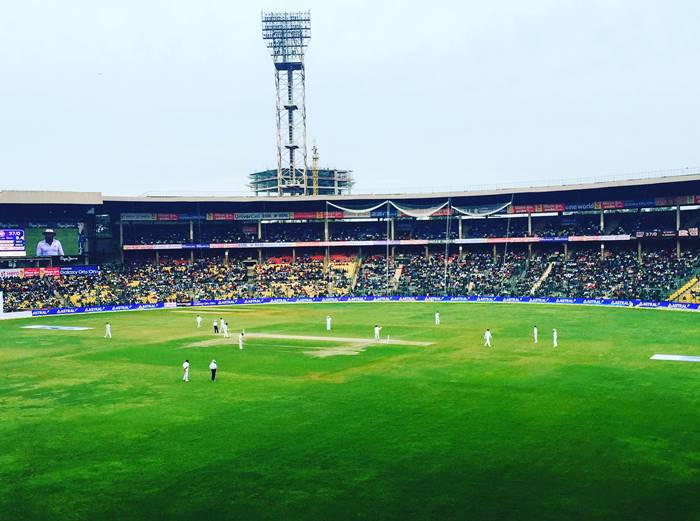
(329, 182)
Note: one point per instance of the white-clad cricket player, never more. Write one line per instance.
(534, 333)
(241, 340)
(487, 338)
(437, 318)
(224, 327)
(108, 330)
(328, 322)
(377, 329)
(186, 371)
(199, 321)
(555, 338)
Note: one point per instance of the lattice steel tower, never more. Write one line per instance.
(287, 36)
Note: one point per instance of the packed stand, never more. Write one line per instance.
(306, 276)
(373, 275)
(618, 275)
(139, 283)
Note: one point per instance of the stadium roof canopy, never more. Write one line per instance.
(48, 197)
(629, 183)
(665, 185)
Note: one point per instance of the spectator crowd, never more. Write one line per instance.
(584, 272)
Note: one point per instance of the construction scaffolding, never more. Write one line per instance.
(329, 181)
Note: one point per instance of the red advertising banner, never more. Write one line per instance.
(560, 207)
(318, 215)
(167, 217)
(609, 205)
(52, 271)
(32, 272)
(675, 201)
(221, 216)
(531, 208)
(514, 208)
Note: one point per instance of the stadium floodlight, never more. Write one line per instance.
(287, 35)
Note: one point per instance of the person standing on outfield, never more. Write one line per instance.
(199, 321)
(377, 329)
(216, 327)
(487, 338)
(328, 322)
(108, 330)
(241, 339)
(437, 318)
(224, 327)
(555, 338)
(534, 333)
(212, 368)
(186, 371)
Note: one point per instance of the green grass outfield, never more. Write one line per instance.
(99, 429)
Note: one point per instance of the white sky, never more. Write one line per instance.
(130, 96)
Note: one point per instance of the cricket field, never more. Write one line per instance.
(304, 424)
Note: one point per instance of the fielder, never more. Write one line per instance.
(199, 321)
(186, 371)
(555, 338)
(377, 329)
(108, 330)
(224, 327)
(487, 338)
(437, 318)
(328, 322)
(534, 333)
(241, 340)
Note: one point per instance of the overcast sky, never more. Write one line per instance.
(130, 96)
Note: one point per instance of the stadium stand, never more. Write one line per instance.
(622, 240)
(619, 274)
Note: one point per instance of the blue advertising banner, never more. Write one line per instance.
(80, 270)
(96, 309)
(394, 298)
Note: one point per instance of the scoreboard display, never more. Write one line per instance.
(12, 243)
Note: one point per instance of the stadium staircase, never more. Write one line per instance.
(542, 278)
(250, 274)
(397, 274)
(356, 276)
(688, 292)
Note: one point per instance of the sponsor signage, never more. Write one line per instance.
(382, 212)
(80, 270)
(51, 271)
(394, 298)
(138, 217)
(96, 309)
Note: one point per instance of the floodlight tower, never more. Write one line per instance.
(287, 36)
